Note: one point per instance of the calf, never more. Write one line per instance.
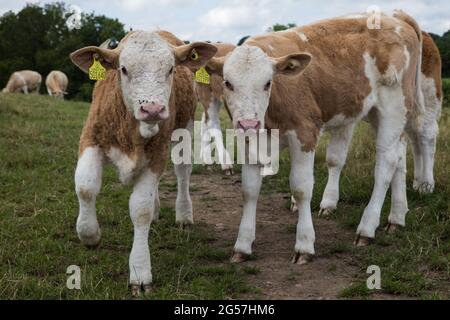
(148, 92)
(25, 81)
(56, 83)
(423, 139)
(327, 76)
(211, 97)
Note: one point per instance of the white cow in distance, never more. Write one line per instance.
(25, 81)
(57, 83)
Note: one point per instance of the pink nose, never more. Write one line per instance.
(249, 125)
(152, 110)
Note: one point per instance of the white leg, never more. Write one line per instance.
(391, 124)
(336, 156)
(88, 180)
(251, 185)
(212, 128)
(399, 200)
(302, 183)
(184, 215)
(157, 205)
(428, 138)
(417, 156)
(142, 205)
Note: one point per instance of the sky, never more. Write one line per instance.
(230, 20)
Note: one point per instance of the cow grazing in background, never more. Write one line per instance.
(57, 83)
(25, 81)
(148, 92)
(327, 76)
(423, 141)
(211, 97)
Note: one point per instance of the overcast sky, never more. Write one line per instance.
(229, 20)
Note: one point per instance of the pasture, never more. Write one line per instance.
(38, 210)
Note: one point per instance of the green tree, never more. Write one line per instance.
(281, 27)
(38, 38)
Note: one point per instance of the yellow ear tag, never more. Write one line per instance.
(291, 65)
(194, 55)
(202, 76)
(97, 71)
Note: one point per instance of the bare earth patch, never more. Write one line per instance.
(217, 202)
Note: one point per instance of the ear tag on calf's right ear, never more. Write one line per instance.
(97, 71)
(202, 76)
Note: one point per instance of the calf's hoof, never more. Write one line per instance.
(392, 228)
(302, 258)
(362, 241)
(228, 172)
(185, 225)
(239, 257)
(138, 289)
(90, 241)
(325, 212)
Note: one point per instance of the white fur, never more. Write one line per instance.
(390, 149)
(88, 180)
(142, 210)
(248, 69)
(302, 36)
(127, 168)
(302, 183)
(211, 129)
(148, 60)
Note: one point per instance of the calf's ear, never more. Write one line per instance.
(292, 64)
(195, 55)
(215, 66)
(84, 58)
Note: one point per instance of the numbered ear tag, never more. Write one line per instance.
(202, 76)
(97, 71)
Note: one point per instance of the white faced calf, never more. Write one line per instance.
(148, 92)
(350, 72)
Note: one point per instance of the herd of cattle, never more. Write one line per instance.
(323, 77)
(27, 81)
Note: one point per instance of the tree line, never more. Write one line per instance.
(37, 38)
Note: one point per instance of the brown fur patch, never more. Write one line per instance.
(431, 62)
(335, 82)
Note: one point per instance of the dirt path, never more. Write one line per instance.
(218, 202)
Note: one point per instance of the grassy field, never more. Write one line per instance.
(38, 209)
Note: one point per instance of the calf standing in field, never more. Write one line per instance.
(327, 76)
(211, 97)
(423, 140)
(148, 92)
(25, 81)
(57, 83)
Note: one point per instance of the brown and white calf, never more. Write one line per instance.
(25, 81)
(211, 97)
(57, 83)
(327, 76)
(148, 92)
(423, 140)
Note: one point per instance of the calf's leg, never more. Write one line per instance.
(88, 180)
(251, 185)
(302, 183)
(183, 206)
(142, 209)
(336, 157)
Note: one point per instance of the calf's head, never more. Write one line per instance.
(146, 64)
(248, 74)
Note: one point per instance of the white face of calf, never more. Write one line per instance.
(248, 74)
(146, 64)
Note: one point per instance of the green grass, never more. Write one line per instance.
(38, 209)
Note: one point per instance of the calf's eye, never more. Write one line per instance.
(124, 71)
(267, 86)
(229, 86)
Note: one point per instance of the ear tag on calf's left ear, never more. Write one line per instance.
(194, 55)
(97, 71)
(202, 76)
